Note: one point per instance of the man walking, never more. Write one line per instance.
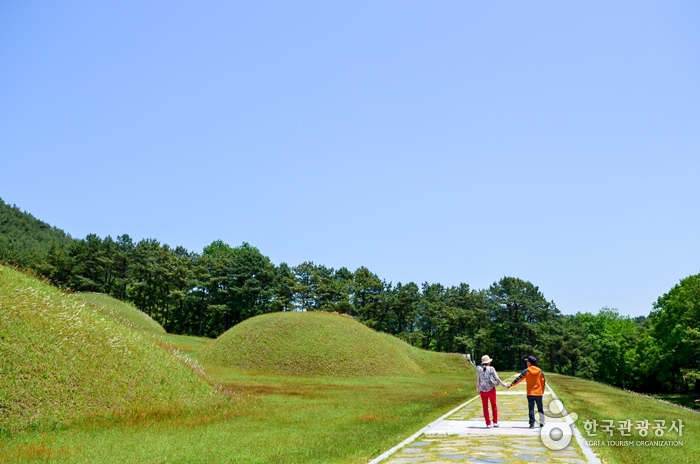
(534, 379)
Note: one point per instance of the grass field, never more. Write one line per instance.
(190, 346)
(270, 418)
(595, 401)
(80, 386)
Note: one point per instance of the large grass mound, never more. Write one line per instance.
(61, 361)
(121, 311)
(319, 343)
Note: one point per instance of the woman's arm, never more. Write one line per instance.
(471, 363)
(503, 384)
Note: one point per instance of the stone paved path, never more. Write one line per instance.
(462, 436)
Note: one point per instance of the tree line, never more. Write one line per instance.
(207, 293)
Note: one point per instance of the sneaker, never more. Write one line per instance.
(495, 425)
(488, 426)
(541, 424)
(532, 426)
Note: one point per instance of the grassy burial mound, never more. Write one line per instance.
(63, 361)
(121, 311)
(320, 343)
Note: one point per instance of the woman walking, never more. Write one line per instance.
(486, 381)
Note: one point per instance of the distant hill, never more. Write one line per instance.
(121, 311)
(62, 362)
(25, 240)
(321, 343)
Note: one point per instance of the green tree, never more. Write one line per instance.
(240, 284)
(432, 318)
(144, 284)
(403, 302)
(468, 323)
(568, 352)
(25, 240)
(611, 338)
(304, 289)
(343, 286)
(516, 307)
(92, 264)
(671, 350)
(58, 265)
(367, 290)
(283, 289)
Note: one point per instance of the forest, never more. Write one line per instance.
(209, 292)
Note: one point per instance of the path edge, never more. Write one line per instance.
(585, 448)
(408, 440)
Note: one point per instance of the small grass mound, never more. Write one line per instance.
(63, 362)
(121, 311)
(321, 344)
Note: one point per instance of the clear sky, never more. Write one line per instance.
(451, 141)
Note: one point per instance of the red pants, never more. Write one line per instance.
(485, 398)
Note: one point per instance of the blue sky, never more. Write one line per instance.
(453, 141)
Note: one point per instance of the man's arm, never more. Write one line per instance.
(518, 379)
(542, 380)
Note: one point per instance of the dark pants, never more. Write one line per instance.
(531, 401)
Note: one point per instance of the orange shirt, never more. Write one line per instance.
(534, 378)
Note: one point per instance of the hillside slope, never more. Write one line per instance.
(320, 343)
(121, 311)
(63, 361)
(593, 401)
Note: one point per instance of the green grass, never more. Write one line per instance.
(121, 311)
(63, 362)
(595, 401)
(188, 345)
(78, 386)
(272, 418)
(320, 343)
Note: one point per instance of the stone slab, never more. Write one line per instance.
(478, 427)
